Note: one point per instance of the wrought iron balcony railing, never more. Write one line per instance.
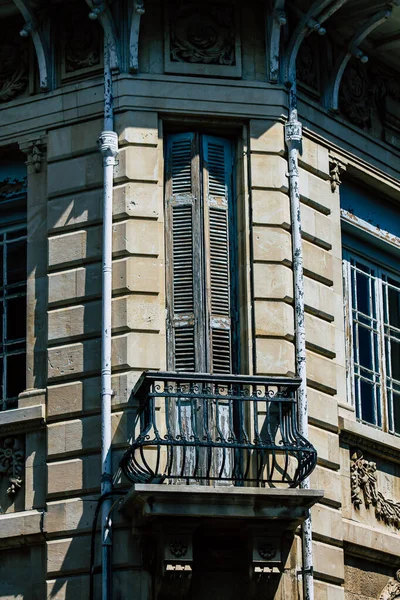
(199, 428)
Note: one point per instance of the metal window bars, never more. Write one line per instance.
(231, 429)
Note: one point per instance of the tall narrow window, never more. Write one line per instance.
(201, 263)
(371, 242)
(12, 282)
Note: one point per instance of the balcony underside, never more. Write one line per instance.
(147, 503)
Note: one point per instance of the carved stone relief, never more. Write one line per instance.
(391, 591)
(202, 38)
(81, 46)
(364, 489)
(12, 458)
(14, 71)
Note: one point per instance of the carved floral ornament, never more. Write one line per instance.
(12, 458)
(364, 489)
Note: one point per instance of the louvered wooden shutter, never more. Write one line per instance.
(185, 337)
(217, 181)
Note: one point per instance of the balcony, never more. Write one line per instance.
(215, 461)
(218, 429)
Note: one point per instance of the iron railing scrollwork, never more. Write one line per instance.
(233, 429)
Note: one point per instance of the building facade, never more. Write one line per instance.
(255, 339)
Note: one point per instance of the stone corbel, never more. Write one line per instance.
(100, 11)
(391, 591)
(275, 22)
(331, 96)
(40, 41)
(138, 11)
(12, 459)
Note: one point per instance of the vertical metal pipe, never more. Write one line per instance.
(108, 144)
(293, 138)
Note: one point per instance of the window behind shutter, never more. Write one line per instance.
(183, 230)
(217, 181)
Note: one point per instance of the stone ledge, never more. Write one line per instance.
(19, 528)
(21, 420)
(370, 438)
(364, 541)
(288, 506)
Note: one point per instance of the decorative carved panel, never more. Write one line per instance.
(202, 38)
(14, 62)
(308, 64)
(364, 490)
(81, 52)
(12, 459)
(356, 95)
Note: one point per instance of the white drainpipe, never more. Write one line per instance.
(108, 145)
(293, 138)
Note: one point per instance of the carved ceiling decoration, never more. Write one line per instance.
(12, 459)
(202, 33)
(364, 490)
(14, 72)
(82, 45)
(391, 591)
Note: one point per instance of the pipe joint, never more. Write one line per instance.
(293, 133)
(108, 144)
